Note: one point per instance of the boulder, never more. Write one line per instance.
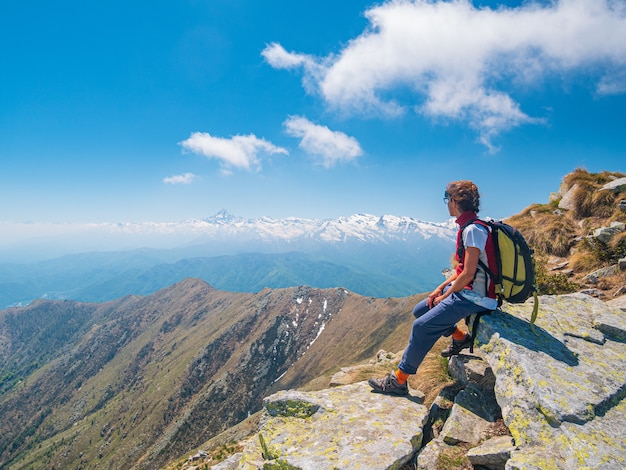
(594, 277)
(493, 453)
(615, 186)
(560, 385)
(567, 202)
(473, 412)
(605, 234)
(342, 377)
(466, 368)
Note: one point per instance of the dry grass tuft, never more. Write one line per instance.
(587, 200)
(584, 260)
(552, 234)
(546, 231)
(618, 245)
(582, 176)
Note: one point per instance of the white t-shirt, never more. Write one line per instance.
(476, 236)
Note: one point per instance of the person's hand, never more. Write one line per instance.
(433, 296)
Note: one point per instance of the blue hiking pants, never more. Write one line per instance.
(433, 323)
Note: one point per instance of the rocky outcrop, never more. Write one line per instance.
(558, 387)
(474, 420)
(342, 427)
(561, 387)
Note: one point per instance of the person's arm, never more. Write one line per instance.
(438, 292)
(470, 264)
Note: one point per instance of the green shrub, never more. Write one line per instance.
(292, 409)
(551, 283)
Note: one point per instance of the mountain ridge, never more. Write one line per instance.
(125, 383)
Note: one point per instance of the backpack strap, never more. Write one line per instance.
(475, 324)
(491, 275)
(533, 316)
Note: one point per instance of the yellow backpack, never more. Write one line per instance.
(511, 268)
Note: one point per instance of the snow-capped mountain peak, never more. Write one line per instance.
(221, 229)
(363, 227)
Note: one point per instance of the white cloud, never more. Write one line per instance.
(279, 58)
(331, 147)
(614, 84)
(461, 62)
(240, 151)
(185, 178)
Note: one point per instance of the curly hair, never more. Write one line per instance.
(465, 193)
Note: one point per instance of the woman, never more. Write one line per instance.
(463, 293)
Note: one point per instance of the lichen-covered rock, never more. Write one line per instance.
(473, 411)
(463, 426)
(612, 325)
(619, 302)
(560, 386)
(429, 455)
(493, 453)
(343, 427)
(465, 368)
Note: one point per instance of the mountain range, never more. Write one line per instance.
(381, 256)
(135, 382)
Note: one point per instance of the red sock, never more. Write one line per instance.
(401, 377)
(458, 334)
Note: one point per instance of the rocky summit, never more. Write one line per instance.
(559, 387)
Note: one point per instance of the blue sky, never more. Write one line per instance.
(163, 111)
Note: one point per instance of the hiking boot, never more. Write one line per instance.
(389, 385)
(456, 346)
